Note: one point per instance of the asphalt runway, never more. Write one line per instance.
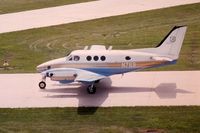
(170, 88)
(80, 12)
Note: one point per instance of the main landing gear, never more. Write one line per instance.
(91, 89)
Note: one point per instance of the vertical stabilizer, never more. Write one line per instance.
(171, 44)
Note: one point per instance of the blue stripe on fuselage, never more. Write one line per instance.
(164, 64)
(111, 71)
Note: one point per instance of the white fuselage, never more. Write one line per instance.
(105, 62)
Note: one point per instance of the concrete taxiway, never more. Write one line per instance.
(80, 12)
(131, 89)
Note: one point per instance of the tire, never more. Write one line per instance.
(42, 85)
(91, 89)
(97, 81)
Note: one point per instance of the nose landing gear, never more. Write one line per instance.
(42, 84)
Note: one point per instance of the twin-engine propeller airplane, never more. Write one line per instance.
(93, 64)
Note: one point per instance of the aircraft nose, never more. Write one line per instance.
(43, 67)
(40, 68)
(50, 64)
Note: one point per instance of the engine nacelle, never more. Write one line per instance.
(61, 75)
(49, 74)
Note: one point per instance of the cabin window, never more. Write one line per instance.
(127, 57)
(48, 67)
(103, 58)
(96, 58)
(76, 58)
(89, 58)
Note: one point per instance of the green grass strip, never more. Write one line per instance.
(184, 119)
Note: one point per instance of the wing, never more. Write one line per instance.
(88, 77)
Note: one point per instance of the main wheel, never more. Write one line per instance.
(42, 85)
(91, 89)
(97, 81)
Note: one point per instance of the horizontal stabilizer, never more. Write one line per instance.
(157, 58)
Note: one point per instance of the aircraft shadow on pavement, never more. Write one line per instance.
(163, 91)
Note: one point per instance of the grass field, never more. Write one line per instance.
(26, 49)
(104, 120)
(8, 6)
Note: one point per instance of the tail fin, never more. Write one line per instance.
(171, 44)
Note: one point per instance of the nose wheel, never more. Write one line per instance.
(42, 85)
(91, 89)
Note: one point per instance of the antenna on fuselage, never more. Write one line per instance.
(110, 48)
(86, 48)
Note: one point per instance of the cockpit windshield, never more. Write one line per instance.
(69, 57)
(72, 58)
(68, 54)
